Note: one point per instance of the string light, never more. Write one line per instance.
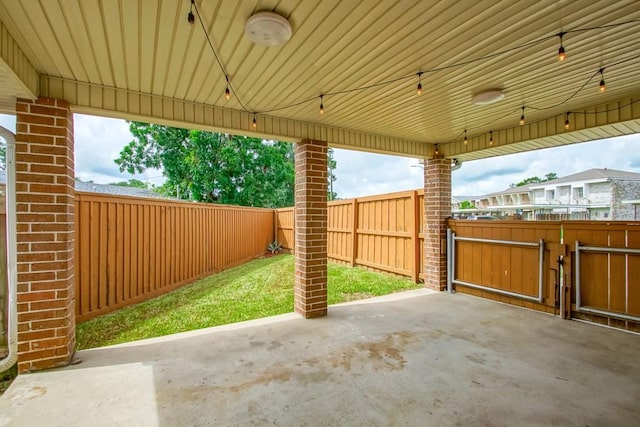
(566, 120)
(490, 137)
(227, 92)
(522, 117)
(321, 105)
(255, 122)
(465, 137)
(603, 86)
(419, 90)
(436, 152)
(561, 53)
(191, 19)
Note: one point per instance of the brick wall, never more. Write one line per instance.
(624, 190)
(45, 233)
(437, 208)
(311, 229)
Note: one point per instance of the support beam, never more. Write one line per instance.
(311, 229)
(437, 208)
(45, 233)
(130, 105)
(18, 77)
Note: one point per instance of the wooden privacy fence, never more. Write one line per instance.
(129, 249)
(600, 275)
(380, 232)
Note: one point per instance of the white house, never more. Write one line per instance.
(594, 194)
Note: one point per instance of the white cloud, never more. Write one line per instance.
(99, 141)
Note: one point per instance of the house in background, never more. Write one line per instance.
(594, 194)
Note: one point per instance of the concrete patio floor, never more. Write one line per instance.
(416, 358)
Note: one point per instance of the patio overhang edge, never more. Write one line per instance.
(19, 69)
(607, 120)
(87, 98)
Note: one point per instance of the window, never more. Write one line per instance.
(578, 193)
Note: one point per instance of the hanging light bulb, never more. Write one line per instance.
(255, 122)
(465, 137)
(522, 117)
(227, 92)
(436, 152)
(561, 53)
(321, 105)
(566, 121)
(603, 86)
(490, 137)
(419, 90)
(191, 19)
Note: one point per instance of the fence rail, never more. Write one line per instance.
(379, 232)
(130, 249)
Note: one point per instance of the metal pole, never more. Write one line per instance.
(449, 284)
(577, 275)
(453, 259)
(540, 270)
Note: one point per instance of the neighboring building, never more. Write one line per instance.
(595, 194)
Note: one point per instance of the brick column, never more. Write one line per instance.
(437, 208)
(311, 229)
(45, 233)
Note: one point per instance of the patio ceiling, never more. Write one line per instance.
(140, 59)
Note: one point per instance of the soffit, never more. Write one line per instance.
(147, 47)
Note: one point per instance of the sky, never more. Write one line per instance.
(98, 142)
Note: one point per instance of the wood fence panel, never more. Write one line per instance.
(284, 225)
(129, 249)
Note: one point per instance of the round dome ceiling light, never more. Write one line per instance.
(268, 29)
(487, 97)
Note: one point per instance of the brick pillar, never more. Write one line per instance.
(311, 229)
(437, 208)
(45, 233)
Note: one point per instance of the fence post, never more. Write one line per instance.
(415, 237)
(354, 233)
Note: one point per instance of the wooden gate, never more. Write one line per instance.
(575, 269)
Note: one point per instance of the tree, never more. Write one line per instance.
(534, 179)
(331, 176)
(213, 167)
(3, 155)
(135, 183)
(466, 204)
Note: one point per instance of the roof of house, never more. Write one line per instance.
(593, 174)
(117, 190)
(114, 190)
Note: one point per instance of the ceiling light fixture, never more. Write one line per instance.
(255, 122)
(603, 86)
(566, 120)
(490, 137)
(465, 137)
(419, 90)
(227, 92)
(487, 97)
(191, 19)
(268, 29)
(321, 105)
(561, 53)
(522, 117)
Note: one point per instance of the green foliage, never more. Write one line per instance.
(213, 167)
(135, 183)
(3, 155)
(331, 176)
(534, 179)
(274, 247)
(260, 288)
(466, 204)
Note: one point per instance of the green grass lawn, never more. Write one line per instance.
(260, 288)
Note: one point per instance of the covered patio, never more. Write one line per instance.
(417, 358)
(390, 77)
